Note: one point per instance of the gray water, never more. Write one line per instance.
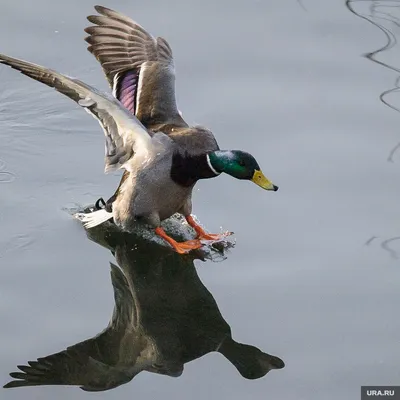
(314, 277)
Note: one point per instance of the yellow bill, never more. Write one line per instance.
(261, 180)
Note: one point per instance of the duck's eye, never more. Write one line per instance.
(242, 163)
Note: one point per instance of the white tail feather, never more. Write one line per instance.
(95, 218)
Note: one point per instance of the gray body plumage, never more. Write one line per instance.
(150, 194)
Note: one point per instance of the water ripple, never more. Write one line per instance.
(5, 176)
(375, 12)
(300, 3)
(381, 14)
(16, 243)
(386, 245)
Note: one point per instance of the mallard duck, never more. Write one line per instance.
(163, 157)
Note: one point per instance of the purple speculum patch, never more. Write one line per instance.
(127, 89)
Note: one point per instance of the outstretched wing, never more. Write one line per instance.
(125, 135)
(100, 363)
(73, 366)
(139, 67)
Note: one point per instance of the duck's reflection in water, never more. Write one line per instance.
(163, 318)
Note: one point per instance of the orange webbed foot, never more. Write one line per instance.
(179, 247)
(202, 234)
(214, 236)
(186, 247)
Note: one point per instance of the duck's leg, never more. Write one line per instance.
(202, 234)
(182, 247)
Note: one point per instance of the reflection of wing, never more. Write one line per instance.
(108, 360)
(139, 67)
(125, 135)
(73, 366)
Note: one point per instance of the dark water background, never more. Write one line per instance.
(315, 275)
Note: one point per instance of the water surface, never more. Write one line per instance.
(314, 277)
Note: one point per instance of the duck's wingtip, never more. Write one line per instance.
(101, 9)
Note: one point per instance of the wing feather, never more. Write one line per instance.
(126, 49)
(125, 135)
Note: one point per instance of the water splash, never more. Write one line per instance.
(175, 226)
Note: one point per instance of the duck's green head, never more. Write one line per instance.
(240, 165)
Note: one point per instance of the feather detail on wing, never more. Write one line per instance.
(124, 134)
(139, 67)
